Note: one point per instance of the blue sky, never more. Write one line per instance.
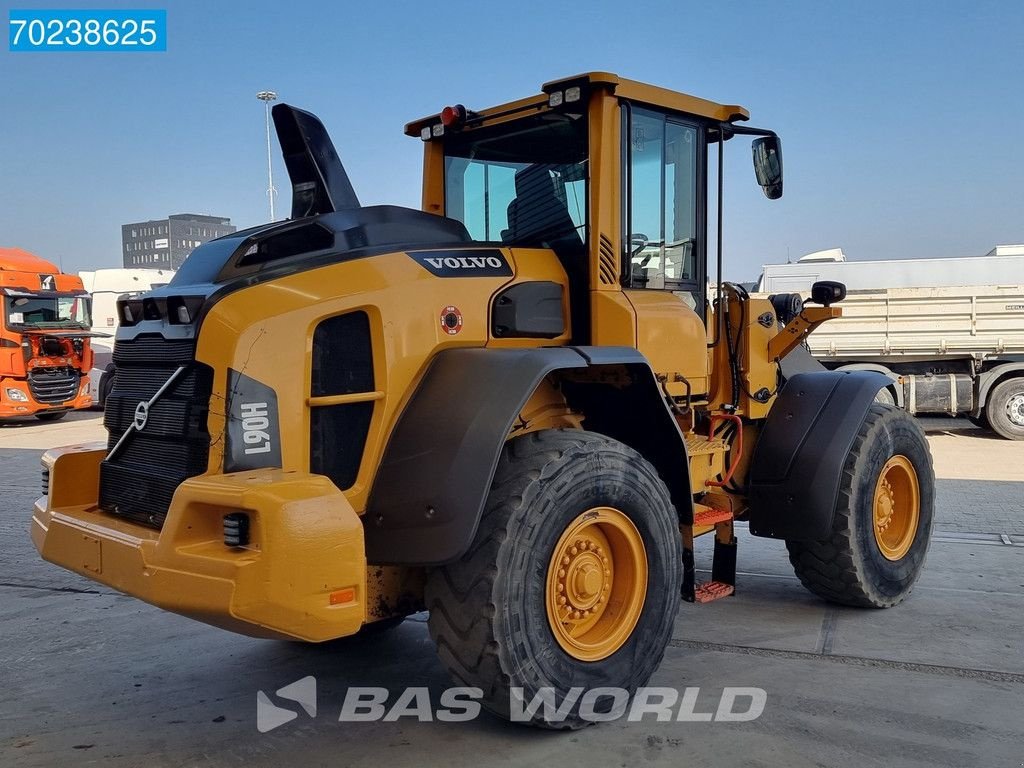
(901, 122)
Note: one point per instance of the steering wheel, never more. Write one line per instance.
(637, 242)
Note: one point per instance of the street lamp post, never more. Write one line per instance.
(266, 97)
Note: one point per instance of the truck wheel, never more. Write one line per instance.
(883, 517)
(885, 397)
(1005, 409)
(106, 384)
(572, 581)
(51, 415)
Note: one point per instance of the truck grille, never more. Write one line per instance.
(53, 385)
(140, 480)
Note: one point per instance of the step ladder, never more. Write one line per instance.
(714, 512)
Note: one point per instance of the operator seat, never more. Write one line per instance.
(538, 218)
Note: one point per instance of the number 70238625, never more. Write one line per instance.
(87, 30)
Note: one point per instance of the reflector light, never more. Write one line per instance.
(555, 99)
(572, 94)
(437, 130)
(425, 133)
(343, 596)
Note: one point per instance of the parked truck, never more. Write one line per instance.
(948, 342)
(45, 353)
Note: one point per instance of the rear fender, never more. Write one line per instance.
(436, 472)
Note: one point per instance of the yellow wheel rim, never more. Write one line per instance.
(897, 508)
(596, 584)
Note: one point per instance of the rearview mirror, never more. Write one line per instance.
(768, 165)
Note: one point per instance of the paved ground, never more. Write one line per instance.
(90, 676)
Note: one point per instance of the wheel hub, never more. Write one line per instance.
(896, 508)
(583, 579)
(596, 583)
(1015, 409)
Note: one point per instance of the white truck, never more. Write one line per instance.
(106, 286)
(949, 333)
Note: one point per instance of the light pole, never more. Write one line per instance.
(266, 97)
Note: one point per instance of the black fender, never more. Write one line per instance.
(799, 456)
(436, 472)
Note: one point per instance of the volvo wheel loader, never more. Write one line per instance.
(518, 408)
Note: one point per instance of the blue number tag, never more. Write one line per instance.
(87, 30)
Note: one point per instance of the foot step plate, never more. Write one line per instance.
(712, 590)
(711, 516)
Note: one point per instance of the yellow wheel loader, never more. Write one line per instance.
(517, 408)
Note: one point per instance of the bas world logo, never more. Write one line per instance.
(455, 705)
(270, 716)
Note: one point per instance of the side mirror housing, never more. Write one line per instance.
(827, 292)
(768, 165)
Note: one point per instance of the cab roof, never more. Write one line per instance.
(620, 86)
(20, 260)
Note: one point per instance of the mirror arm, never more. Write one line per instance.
(746, 130)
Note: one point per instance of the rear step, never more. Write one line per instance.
(712, 590)
(723, 568)
(711, 516)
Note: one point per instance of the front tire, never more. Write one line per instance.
(1005, 409)
(571, 514)
(883, 517)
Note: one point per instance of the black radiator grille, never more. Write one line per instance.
(139, 481)
(53, 385)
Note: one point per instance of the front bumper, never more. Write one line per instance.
(302, 576)
(30, 406)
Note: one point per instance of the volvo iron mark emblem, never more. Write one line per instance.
(142, 413)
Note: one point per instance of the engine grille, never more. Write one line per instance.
(140, 480)
(342, 365)
(53, 385)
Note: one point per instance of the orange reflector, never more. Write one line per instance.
(347, 595)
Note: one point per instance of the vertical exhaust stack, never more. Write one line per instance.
(319, 181)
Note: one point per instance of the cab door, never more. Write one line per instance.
(664, 244)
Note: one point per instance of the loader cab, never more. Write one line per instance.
(612, 176)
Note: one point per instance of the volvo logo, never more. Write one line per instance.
(141, 415)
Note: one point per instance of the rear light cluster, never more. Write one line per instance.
(453, 118)
(177, 310)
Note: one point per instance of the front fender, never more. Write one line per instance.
(800, 453)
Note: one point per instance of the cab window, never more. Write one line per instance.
(660, 194)
(523, 186)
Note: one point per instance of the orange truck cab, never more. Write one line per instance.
(45, 355)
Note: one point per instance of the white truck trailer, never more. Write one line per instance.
(949, 342)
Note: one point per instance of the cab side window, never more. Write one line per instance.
(660, 194)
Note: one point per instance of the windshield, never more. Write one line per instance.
(48, 312)
(522, 182)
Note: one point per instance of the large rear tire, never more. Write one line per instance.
(883, 517)
(572, 579)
